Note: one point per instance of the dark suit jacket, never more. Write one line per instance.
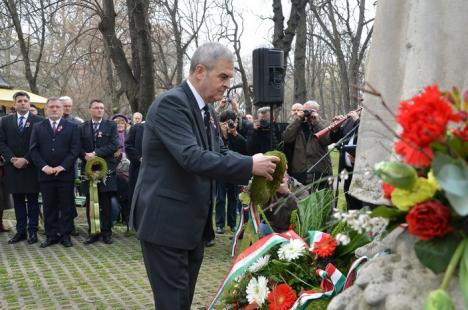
(14, 143)
(175, 185)
(59, 149)
(133, 145)
(105, 144)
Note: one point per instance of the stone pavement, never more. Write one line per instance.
(96, 276)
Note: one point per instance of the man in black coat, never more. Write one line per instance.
(99, 138)
(20, 174)
(182, 157)
(133, 147)
(54, 148)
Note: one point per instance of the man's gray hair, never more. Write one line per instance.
(263, 110)
(313, 103)
(65, 98)
(208, 55)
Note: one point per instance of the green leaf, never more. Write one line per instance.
(314, 211)
(452, 177)
(464, 274)
(387, 212)
(435, 254)
(397, 174)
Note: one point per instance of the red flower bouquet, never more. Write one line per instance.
(430, 188)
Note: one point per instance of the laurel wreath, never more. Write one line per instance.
(96, 169)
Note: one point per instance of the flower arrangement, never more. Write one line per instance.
(299, 268)
(429, 188)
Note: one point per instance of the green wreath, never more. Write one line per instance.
(261, 190)
(96, 169)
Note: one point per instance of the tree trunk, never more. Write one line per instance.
(300, 92)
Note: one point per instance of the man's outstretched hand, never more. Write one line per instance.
(264, 166)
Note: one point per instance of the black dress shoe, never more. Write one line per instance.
(91, 239)
(66, 241)
(17, 238)
(32, 238)
(107, 239)
(49, 241)
(209, 243)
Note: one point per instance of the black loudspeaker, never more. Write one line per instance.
(268, 76)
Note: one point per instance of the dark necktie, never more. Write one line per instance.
(95, 128)
(21, 123)
(54, 127)
(207, 120)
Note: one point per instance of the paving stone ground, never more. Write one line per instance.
(96, 276)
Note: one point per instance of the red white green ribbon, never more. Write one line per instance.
(250, 256)
(252, 210)
(333, 282)
(315, 237)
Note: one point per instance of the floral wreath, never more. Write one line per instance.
(96, 169)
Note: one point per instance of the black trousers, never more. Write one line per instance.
(59, 209)
(172, 274)
(104, 212)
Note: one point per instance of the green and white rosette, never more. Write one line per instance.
(95, 171)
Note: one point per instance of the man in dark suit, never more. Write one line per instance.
(133, 147)
(54, 148)
(99, 138)
(182, 157)
(20, 174)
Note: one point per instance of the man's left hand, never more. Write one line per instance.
(58, 169)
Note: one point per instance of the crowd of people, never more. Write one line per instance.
(188, 145)
(64, 142)
(47, 155)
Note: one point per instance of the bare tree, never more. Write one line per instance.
(283, 37)
(348, 38)
(232, 25)
(136, 79)
(34, 14)
(185, 19)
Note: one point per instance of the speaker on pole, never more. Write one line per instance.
(268, 76)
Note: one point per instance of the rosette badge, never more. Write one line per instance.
(96, 169)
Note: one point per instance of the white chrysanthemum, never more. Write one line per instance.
(260, 263)
(291, 250)
(343, 239)
(257, 290)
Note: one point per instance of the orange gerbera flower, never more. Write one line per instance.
(282, 297)
(325, 247)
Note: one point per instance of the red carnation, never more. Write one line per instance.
(282, 297)
(414, 155)
(429, 220)
(461, 134)
(424, 119)
(387, 190)
(325, 246)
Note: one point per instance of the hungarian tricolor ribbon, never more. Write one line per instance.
(250, 256)
(251, 209)
(333, 281)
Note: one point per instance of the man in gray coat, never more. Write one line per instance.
(182, 157)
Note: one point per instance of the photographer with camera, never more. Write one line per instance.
(259, 135)
(308, 150)
(237, 143)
